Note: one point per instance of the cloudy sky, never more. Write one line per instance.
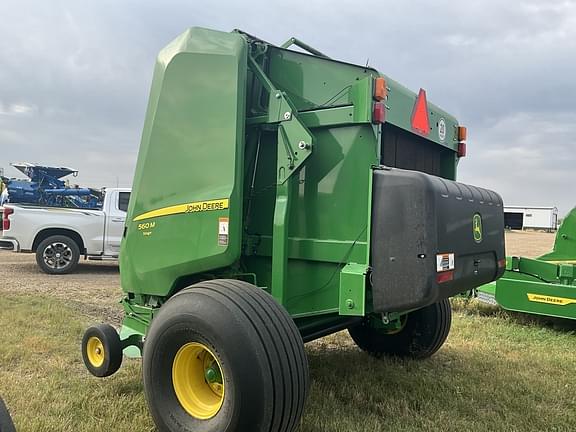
(75, 76)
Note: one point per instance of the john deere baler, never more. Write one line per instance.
(281, 196)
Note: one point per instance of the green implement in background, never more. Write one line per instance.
(543, 286)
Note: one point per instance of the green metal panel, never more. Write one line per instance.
(536, 297)
(400, 105)
(565, 243)
(191, 152)
(536, 287)
(328, 216)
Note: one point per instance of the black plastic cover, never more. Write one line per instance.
(418, 220)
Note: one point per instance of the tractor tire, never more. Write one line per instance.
(58, 254)
(422, 334)
(102, 350)
(224, 356)
(6, 424)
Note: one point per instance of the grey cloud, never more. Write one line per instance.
(75, 76)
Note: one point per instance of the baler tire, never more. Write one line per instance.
(248, 338)
(102, 350)
(67, 245)
(424, 332)
(6, 424)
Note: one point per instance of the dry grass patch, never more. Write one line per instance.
(497, 372)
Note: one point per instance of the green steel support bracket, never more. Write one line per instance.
(352, 300)
(294, 147)
(360, 95)
(134, 327)
(304, 46)
(280, 242)
(135, 339)
(139, 316)
(542, 270)
(358, 109)
(294, 138)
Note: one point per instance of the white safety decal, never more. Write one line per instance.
(444, 262)
(223, 231)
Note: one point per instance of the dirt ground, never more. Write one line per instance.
(94, 290)
(529, 244)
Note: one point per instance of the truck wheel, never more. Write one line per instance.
(423, 332)
(58, 254)
(102, 350)
(6, 424)
(224, 356)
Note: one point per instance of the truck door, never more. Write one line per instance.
(115, 219)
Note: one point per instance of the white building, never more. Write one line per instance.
(518, 217)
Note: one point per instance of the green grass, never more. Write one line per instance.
(497, 372)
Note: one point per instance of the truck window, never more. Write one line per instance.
(123, 199)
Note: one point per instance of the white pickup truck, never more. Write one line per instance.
(60, 236)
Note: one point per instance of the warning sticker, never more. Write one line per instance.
(223, 231)
(444, 262)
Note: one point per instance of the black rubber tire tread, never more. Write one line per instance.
(6, 424)
(285, 364)
(273, 335)
(112, 348)
(63, 239)
(424, 333)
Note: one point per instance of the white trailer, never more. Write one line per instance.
(521, 217)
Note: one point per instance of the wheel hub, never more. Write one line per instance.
(198, 380)
(95, 351)
(57, 255)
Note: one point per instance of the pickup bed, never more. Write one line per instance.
(60, 236)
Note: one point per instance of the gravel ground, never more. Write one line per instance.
(94, 290)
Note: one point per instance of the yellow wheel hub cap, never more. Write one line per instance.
(95, 351)
(198, 381)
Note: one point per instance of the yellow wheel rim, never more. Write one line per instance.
(198, 380)
(95, 351)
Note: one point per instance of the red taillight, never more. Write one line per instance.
(502, 263)
(5, 219)
(420, 120)
(461, 149)
(445, 276)
(378, 113)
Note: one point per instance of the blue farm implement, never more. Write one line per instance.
(45, 187)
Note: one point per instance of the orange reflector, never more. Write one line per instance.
(461, 149)
(420, 121)
(378, 113)
(461, 133)
(446, 276)
(380, 90)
